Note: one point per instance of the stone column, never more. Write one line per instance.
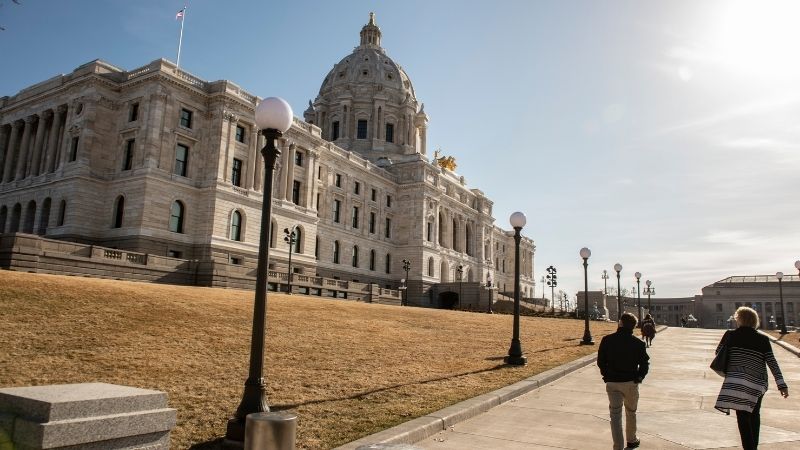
(252, 157)
(33, 169)
(290, 172)
(13, 148)
(315, 183)
(23, 148)
(310, 180)
(230, 146)
(281, 185)
(52, 144)
(259, 175)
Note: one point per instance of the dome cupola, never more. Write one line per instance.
(367, 103)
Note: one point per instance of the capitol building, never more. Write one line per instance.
(157, 174)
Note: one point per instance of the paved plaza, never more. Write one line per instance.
(676, 407)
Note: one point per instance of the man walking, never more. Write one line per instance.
(623, 362)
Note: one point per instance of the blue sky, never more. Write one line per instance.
(662, 135)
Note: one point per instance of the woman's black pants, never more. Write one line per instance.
(749, 423)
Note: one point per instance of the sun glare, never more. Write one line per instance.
(759, 37)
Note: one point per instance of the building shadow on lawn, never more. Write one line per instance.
(363, 394)
(216, 444)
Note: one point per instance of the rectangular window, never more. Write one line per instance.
(317, 201)
(389, 132)
(240, 134)
(298, 159)
(181, 160)
(296, 192)
(335, 131)
(388, 201)
(127, 164)
(429, 232)
(133, 114)
(719, 307)
(236, 172)
(362, 129)
(357, 188)
(388, 263)
(388, 227)
(336, 209)
(372, 222)
(355, 216)
(319, 172)
(337, 180)
(186, 118)
(236, 261)
(374, 195)
(73, 152)
(174, 254)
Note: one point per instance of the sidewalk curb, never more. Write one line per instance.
(424, 427)
(789, 347)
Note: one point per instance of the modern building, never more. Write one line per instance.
(158, 161)
(760, 292)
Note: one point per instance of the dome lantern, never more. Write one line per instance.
(371, 34)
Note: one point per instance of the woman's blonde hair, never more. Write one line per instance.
(746, 317)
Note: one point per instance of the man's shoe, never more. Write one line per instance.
(632, 445)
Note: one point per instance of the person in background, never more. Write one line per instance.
(648, 329)
(624, 363)
(746, 382)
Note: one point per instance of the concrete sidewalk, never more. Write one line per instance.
(676, 407)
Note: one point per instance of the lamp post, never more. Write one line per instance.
(515, 356)
(490, 288)
(779, 276)
(544, 299)
(605, 279)
(552, 281)
(649, 291)
(587, 336)
(406, 267)
(638, 275)
(291, 239)
(274, 117)
(460, 271)
(618, 268)
(403, 288)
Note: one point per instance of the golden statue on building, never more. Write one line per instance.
(445, 162)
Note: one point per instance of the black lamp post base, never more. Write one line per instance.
(515, 360)
(585, 342)
(234, 433)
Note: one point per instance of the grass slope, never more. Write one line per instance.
(347, 369)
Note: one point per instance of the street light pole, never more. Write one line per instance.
(515, 356)
(587, 335)
(649, 290)
(618, 268)
(605, 279)
(638, 275)
(291, 239)
(779, 276)
(552, 281)
(274, 117)
(490, 288)
(406, 267)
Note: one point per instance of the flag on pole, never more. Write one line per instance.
(180, 13)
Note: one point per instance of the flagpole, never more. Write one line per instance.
(180, 39)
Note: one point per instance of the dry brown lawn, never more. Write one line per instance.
(790, 337)
(347, 369)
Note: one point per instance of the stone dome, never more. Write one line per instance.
(367, 103)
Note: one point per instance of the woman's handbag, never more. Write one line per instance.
(720, 362)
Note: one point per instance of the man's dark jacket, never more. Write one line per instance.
(622, 357)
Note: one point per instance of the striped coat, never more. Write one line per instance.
(749, 354)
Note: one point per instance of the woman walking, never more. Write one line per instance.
(746, 382)
(648, 329)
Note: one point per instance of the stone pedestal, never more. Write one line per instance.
(85, 416)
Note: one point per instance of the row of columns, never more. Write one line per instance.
(287, 176)
(444, 235)
(30, 147)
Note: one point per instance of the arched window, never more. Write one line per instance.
(430, 266)
(236, 226)
(3, 217)
(388, 263)
(16, 213)
(336, 252)
(44, 220)
(455, 235)
(119, 211)
(62, 213)
(444, 272)
(372, 260)
(355, 256)
(176, 213)
(441, 230)
(298, 239)
(30, 215)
